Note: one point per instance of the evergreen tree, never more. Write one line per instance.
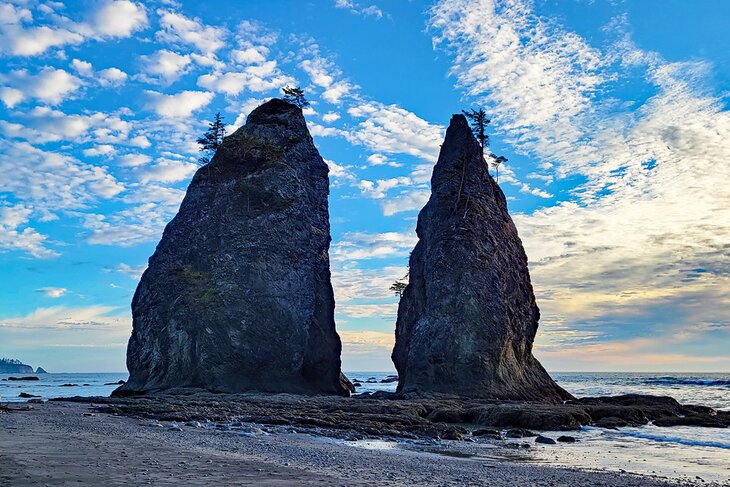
(295, 96)
(400, 285)
(212, 139)
(478, 121)
(497, 161)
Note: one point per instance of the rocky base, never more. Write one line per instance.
(385, 414)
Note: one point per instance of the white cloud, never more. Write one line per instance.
(15, 234)
(338, 171)
(53, 292)
(331, 117)
(164, 66)
(129, 227)
(381, 160)
(406, 201)
(11, 96)
(19, 41)
(52, 181)
(112, 77)
(649, 225)
(43, 124)
(62, 317)
(359, 245)
(325, 74)
(250, 55)
(378, 189)
(176, 28)
(166, 170)
(318, 130)
(118, 18)
(134, 160)
(391, 129)
(385, 311)
(112, 19)
(351, 282)
(255, 78)
(133, 271)
(254, 34)
(12, 14)
(140, 141)
(99, 150)
(371, 10)
(179, 105)
(83, 68)
(50, 85)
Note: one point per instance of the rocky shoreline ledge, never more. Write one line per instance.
(389, 415)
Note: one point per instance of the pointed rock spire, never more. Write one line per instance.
(467, 319)
(237, 295)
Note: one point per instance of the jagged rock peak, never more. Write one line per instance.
(468, 317)
(238, 294)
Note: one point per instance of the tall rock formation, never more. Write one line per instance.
(468, 317)
(237, 295)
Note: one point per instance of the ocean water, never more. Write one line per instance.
(705, 389)
(678, 452)
(59, 385)
(709, 389)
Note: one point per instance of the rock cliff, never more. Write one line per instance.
(468, 317)
(10, 366)
(237, 295)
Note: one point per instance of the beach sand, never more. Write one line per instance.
(66, 443)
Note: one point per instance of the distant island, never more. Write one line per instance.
(13, 366)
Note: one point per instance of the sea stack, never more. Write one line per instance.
(467, 319)
(238, 296)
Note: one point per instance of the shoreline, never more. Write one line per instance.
(116, 449)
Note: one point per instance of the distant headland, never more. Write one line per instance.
(13, 366)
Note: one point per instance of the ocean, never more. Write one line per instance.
(709, 389)
(678, 452)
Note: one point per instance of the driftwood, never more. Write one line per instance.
(7, 408)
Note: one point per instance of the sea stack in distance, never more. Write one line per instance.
(238, 296)
(467, 319)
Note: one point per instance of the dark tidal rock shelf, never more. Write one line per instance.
(385, 414)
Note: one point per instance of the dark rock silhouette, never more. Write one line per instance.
(11, 366)
(468, 317)
(237, 295)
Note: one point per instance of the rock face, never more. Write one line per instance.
(10, 366)
(237, 295)
(468, 317)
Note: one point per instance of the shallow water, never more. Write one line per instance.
(642, 451)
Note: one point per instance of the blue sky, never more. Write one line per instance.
(613, 115)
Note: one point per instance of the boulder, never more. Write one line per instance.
(519, 433)
(467, 319)
(558, 417)
(487, 432)
(544, 440)
(238, 296)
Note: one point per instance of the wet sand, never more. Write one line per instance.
(67, 443)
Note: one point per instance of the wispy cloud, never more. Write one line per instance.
(52, 292)
(648, 214)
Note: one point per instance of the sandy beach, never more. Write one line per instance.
(65, 443)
